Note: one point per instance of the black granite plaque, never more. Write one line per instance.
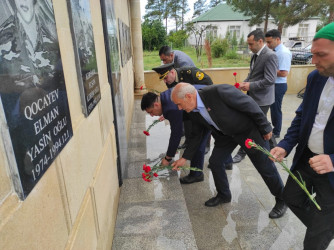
(32, 89)
(85, 50)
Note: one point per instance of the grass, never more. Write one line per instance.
(151, 60)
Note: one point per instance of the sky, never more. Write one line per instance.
(171, 24)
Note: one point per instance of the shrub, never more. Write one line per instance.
(177, 38)
(219, 47)
(232, 54)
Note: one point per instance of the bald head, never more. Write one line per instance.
(184, 95)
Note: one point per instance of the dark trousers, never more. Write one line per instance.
(224, 145)
(272, 141)
(198, 160)
(276, 107)
(320, 224)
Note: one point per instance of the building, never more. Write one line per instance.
(65, 120)
(223, 19)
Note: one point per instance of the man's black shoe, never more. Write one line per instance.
(229, 166)
(184, 145)
(215, 201)
(191, 179)
(238, 158)
(207, 149)
(278, 210)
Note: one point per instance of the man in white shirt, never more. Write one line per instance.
(313, 131)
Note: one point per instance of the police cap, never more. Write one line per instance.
(163, 70)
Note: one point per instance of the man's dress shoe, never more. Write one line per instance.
(191, 179)
(238, 158)
(278, 210)
(215, 201)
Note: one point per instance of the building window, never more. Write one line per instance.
(302, 30)
(211, 33)
(234, 29)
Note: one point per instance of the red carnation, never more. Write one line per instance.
(234, 73)
(247, 143)
(141, 87)
(146, 132)
(147, 169)
(237, 85)
(155, 175)
(144, 166)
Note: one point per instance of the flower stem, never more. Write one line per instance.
(300, 183)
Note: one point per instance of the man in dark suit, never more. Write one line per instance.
(172, 76)
(260, 82)
(313, 130)
(232, 117)
(162, 105)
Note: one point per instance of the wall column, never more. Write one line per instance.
(137, 46)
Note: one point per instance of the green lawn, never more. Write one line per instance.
(151, 60)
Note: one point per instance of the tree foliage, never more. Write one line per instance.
(177, 38)
(285, 12)
(199, 8)
(214, 3)
(154, 34)
(163, 10)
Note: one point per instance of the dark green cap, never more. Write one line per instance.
(326, 32)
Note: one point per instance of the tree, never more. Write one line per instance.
(284, 12)
(177, 38)
(214, 3)
(199, 8)
(157, 10)
(198, 30)
(174, 7)
(184, 9)
(154, 34)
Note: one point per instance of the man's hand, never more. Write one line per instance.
(321, 164)
(179, 163)
(244, 86)
(161, 118)
(164, 162)
(268, 136)
(278, 153)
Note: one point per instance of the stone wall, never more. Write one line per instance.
(296, 78)
(74, 205)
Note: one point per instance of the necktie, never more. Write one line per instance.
(253, 60)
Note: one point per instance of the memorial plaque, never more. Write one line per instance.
(32, 89)
(82, 30)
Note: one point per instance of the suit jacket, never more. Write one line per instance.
(191, 75)
(301, 126)
(231, 110)
(172, 113)
(181, 59)
(262, 78)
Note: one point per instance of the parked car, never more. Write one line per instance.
(295, 44)
(302, 56)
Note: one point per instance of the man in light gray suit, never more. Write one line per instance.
(260, 82)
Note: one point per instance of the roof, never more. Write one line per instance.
(222, 12)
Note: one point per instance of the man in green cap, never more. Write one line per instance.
(313, 131)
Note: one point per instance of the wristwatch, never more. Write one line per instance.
(169, 160)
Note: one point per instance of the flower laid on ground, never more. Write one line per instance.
(237, 85)
(249, 143)
(151, 90)
(149, 172)
(149, 127)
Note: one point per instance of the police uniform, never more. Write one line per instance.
(186, 74)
